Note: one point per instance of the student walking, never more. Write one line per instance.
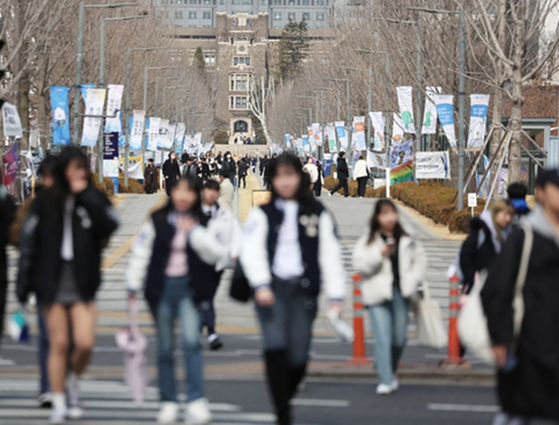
(393, 265)
(487, 234)
(226, 229)
(361, 174)
(169, 259)
(516, 193)
(528, 370)
(243, 171)
(290, 251)
(60, 259)
(343, 174)
(318, 185)
(7, 211)
(150, 178)
(171, 171)
(312, 170)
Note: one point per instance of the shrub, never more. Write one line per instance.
(133, 186)
(107, 186)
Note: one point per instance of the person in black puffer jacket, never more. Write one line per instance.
(343, 174)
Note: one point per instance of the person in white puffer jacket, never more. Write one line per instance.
(361, 174)
(392, 265)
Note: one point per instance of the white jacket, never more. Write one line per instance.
(360, 169)
(312, 171)
(376, 269)
(226, 194)
(227, 231)
(257, 267)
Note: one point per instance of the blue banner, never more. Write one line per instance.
(60, 115)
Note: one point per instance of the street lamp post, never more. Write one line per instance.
(79, 59)
(369, 95)
(146, 77)
(348, 104)
(461, 94)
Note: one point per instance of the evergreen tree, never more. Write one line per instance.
(293, 49)
(199, 61)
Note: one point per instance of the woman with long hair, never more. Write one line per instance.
(171, 258)
(392, 265)
(290, 251)
(60, 260)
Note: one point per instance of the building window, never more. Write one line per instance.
(320, 16)
(238, 102)
(319, 2)
(191, 15)
(291, 2)
(241, 60)
(239, 82)
(277, 16)
(178, 15)
(207, 2)
(305, 2)
(207, 15)
(291, 16)
(277, 2)
(306, 17)
(193, 1)
(209, 59)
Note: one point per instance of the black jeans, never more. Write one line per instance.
(342, 183)
(243, 179)
(361, 185)
(317, 188)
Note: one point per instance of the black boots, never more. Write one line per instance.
(279, 383)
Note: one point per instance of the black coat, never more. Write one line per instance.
(171, 171)
(342, 169)
(475, 257)
(7, 211)
(40, 261)
(243, 168)
(229, 169)
(532, 388)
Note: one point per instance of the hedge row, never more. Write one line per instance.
(431, 199)
(108, 188)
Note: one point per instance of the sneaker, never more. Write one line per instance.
(169, 413)
(58, 416)
(383, 389)
(330, 194)
(45, 400)
(215, 342)
(73, 395)
(198, 412)
(395, 385)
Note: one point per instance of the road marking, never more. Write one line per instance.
(475, 408)
(309, 402)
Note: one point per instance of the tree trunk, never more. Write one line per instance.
(515, 127)
(497, 118)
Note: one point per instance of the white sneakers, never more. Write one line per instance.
(59, 411)
(169, 413)
(383, 389)
(197, 413)
(73, 391)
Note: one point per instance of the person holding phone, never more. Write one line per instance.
(392, 264)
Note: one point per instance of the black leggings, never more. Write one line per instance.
(342, 183)
(361, 186)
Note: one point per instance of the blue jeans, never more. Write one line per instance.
(389, 321)
(176, 302)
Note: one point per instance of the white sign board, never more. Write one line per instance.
(472, 200)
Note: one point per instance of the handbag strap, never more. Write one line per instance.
(522, 274)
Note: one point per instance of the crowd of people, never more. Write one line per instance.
(287, 253)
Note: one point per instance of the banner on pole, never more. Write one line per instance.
(60, 115)
(331, 134)
(110, 154)
(153, 133)
(358, 141)
(377, 120)
(317, 133)
(405, 102)
(432, 165)
(342, 135)
(430, 114)
(306, 144)
(179, 136)
(11, 121)
(479, 105)
(114, 102)
(401, 154)
(10, 166)
(376, 160)
(397, 129)
(94, 102)
(137, 129)
(445, 113)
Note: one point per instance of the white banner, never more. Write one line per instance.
(432, 165)
(430, 114)
(397, 129)
(317, 133)
(153, 133)
(136, 171)
(479, 104)
(376, 160)
(94, 102)
(11, 120)
(179, 135)
(137, 130)
(165, 139)
(342, 135)
(114, 101)
(377, 120)
(331, 134)
(445, 112)
(358, 142)
(405, 102)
